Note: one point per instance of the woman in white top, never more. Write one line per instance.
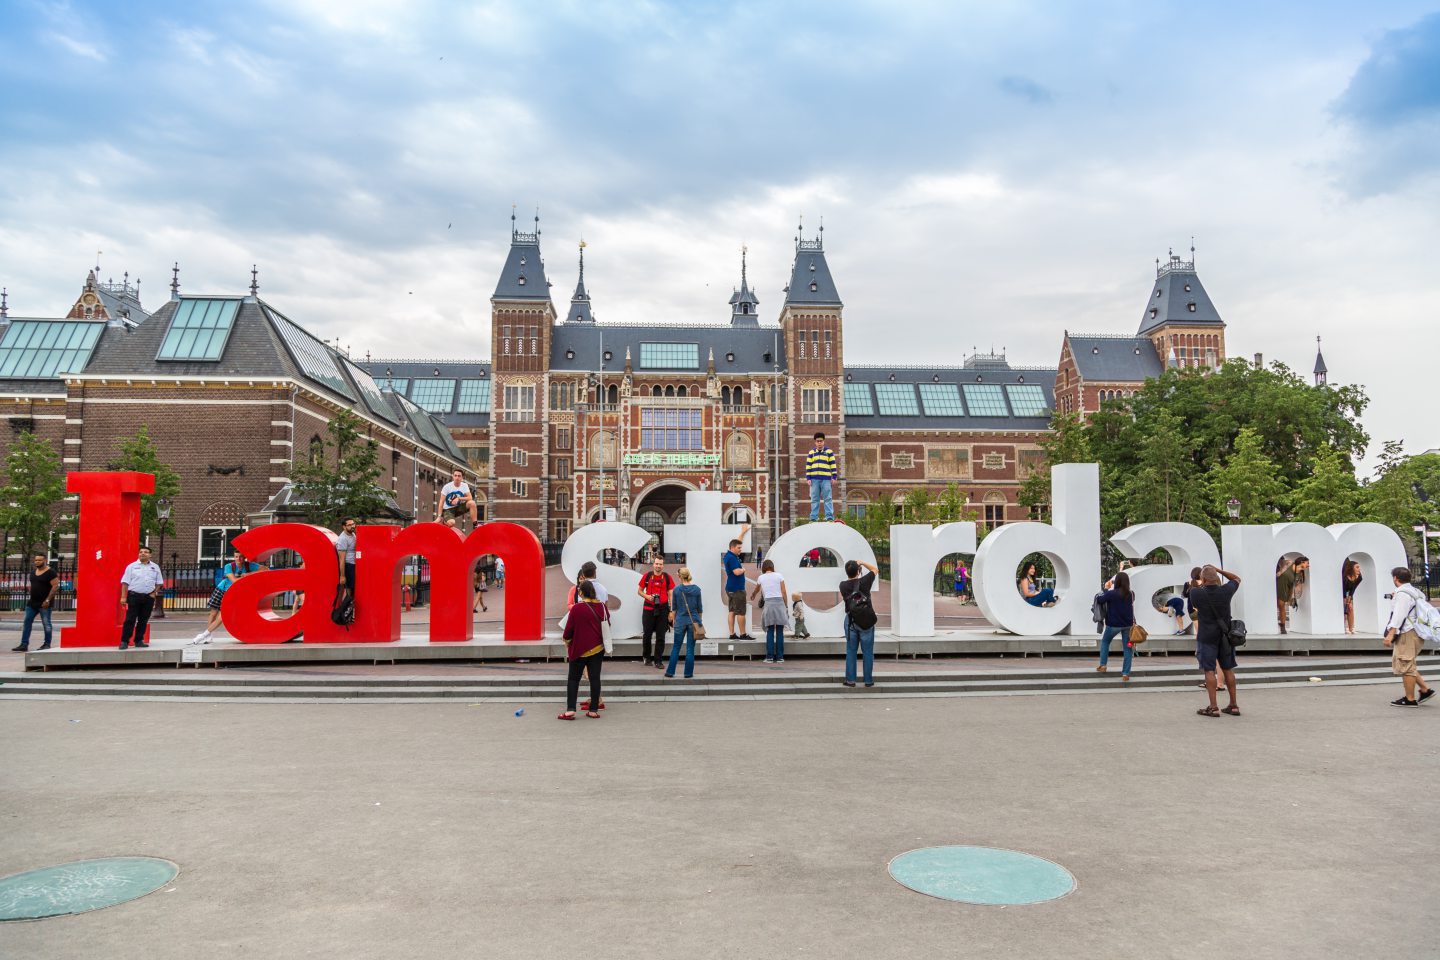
(774, 599)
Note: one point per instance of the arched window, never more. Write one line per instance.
(739, 396)
(655, 391)
(680, 390)
(602, 450)
(614, 394)
(562, 501)
(670, 390)
(995, 509)
(725, 396)
(739, 452)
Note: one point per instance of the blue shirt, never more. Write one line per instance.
(230, 568)
(687, 605)
(734, 573)
(1119, 608)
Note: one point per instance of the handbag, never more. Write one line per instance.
(1138, 634)
(605, 636)
(695, 626)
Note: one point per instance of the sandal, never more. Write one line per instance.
(585, 705)
(1233, 710)
(566, 716)
(1208, 712)
(593, 714)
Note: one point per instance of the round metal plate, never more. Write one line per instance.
(81, 886)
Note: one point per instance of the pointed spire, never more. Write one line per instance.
(254, 280)
(175, 281)
(580, 302)
(514, 231)
(627, 362)
(4, 303)
(710, 364)
(744, 305)
(1321, 371)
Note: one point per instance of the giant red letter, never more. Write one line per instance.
(380, 551)
(246, 607)
(108, 541)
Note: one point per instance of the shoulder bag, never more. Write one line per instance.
(605, 636)
(695, 625)
(1232, 631)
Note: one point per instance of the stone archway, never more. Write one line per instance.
(659, 504)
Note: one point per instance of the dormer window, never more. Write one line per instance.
(1157, 293)
(1154, 313)
(1096, 350)
(522, 261)
(521, 281)
(812, 266)
(1191, 306)
(729, 358)
(814, 286)
(609, 356)
(1187, 288)
(569, 354)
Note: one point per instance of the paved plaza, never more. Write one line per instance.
(732, 829)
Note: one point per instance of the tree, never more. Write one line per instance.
(1251, 477)
(1330, 494)
(952, 506)
(139, 454)
(328, 495)
(1162, 485)
(1067, 442)
(34, 484)
(1404, 492)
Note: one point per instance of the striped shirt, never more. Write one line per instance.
(821, 463)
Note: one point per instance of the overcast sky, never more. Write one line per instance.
(988, 174)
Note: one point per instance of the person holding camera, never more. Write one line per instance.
(1404, 639)
(1212, 608)
(655, 587)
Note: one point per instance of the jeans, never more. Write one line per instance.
(861, 641)
(137, 618)
(684, 634)
(1124, 634)
(590, 665)
(30, 614)
(775, 641)
(656, 622)
(820, 490)
(1041, 598)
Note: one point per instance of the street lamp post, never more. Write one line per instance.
(163, 506)
(1423, 528)
(1232, 507)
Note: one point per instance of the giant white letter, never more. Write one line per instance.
(1071, 542)
(1189, 547)
(1378, 549)
(915, 550)
(845, 543)
(585, 544)
(703, 539)
(1253, 552)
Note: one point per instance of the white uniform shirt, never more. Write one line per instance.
(142, 577)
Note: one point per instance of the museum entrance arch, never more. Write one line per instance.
(661, 504)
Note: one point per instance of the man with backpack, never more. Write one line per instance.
(655, 587)
(1411, 615)
(860, 619)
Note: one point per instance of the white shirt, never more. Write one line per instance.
(770, 585)
(601, 593)
(1402, 606)
(461, 488)
(142, 577)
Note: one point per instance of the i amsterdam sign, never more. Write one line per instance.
(109, 538)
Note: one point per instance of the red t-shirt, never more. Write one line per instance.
(662, 585)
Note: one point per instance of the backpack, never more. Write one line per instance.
(859, 610)
(343, 613)
(1424, 619)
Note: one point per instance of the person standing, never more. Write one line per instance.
(820, 472)
(774, 598)
(231, 572)
(137, 593)
(1284, 591)
(962, 580)
(1401, 636)
(860, 619)
(345, 552)
(655, 587)
(1119, 602)
(797, 615)
(735, 587)
(1350, 580)
(480, 589)
(585, 649)
(1212, 607)
(688, 607)
(44, 581)
(457, 500)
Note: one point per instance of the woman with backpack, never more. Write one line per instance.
(1119, 602)
(585, 649)
(860, 619)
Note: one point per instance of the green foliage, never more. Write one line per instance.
(1404, 492)
(340, 481)
(1252, 478)
(34, 484)
(1330, 494)
(139, 454)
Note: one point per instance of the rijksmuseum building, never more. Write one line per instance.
(570, 419)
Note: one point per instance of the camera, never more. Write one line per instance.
(1389, 596)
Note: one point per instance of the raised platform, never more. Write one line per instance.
(417, 648)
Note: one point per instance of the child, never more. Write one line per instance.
(797, 613)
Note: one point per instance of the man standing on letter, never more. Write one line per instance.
(820, 472)
(137, 592)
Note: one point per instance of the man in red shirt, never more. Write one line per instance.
(655, 587)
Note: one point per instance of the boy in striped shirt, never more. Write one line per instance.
(820, 472)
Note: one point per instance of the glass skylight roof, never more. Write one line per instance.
(857, 400)
(669, 356)
(199, 329)
(1027, 399)
(474, 396)
(40, 349)
(423, 424)
(985, 400)
(398, 384)
(370, 390)
(434, 394)
(941, 400)
(312, 356)
(896, 399)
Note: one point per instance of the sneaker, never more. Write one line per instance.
(734, 636)
(20, 649)
(142, 646)
(782, 660)
(1424, 694)
(769, 659)
(124, 646)
(44, 646)
(744, 636)
(1404, 702)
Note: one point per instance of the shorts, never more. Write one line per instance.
(215, 596)
(1209, 653)
(1176, 605)
(458, 511)
(1407, 648)
(736, 601)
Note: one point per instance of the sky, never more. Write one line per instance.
(989, 175)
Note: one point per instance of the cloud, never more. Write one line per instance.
(79, 47)
(1392, 107)
(1026, 89)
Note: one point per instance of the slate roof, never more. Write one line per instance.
(122, 305)
(576, 346)
(1320, 362)
(989, 373)
(28, 388)
(523, 276)
(255, 348)
(810, 280)
(458, 370)
(1115, 359)
(1178, 297)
